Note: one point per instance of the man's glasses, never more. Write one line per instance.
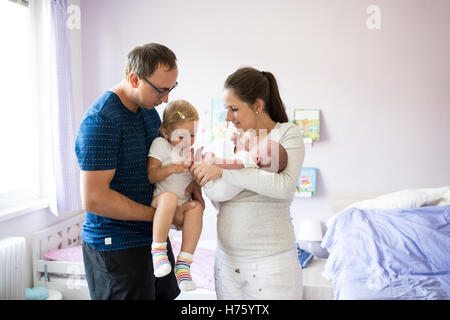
(160, 93)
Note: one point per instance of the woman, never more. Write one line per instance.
(256, 256)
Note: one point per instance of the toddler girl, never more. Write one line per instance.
(168, 164)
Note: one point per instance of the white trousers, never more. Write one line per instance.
(277, 277)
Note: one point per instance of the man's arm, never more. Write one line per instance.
(99, 198)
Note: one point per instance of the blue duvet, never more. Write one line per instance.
(390, 254)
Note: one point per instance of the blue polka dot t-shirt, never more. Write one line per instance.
(112, 137)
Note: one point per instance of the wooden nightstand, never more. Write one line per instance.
(315, 286)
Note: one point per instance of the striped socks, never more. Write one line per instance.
(161, 264)
(183, 272)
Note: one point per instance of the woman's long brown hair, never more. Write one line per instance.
(249, 84)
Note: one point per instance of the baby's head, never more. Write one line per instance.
(269, 155)
(179, 123)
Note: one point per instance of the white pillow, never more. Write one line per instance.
(409, 198)
(445, 196)
(404, 199)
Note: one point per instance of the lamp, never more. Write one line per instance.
(310, 230)
(310, 236)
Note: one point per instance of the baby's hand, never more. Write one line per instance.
(209, 157)
(198, 155)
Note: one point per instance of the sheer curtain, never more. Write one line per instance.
(60, 176)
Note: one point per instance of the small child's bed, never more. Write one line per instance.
(59, 242)
(58, 262)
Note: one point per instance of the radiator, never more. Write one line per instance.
(12, 268)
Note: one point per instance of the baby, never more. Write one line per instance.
(168, 164)
(249, 152)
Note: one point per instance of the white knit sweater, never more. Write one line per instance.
(257, 222)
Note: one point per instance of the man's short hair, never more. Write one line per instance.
(144, 60)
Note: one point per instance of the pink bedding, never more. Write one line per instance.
(202, 268)
(72, 254)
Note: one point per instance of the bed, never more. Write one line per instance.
(65, 273)
(58, 262)
(390, 246)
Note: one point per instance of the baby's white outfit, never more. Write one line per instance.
(176, 183)
(218, 190)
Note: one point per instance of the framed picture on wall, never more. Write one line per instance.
(307, 183)
(309, 122)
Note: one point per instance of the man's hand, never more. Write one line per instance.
(195, 191)
(178, 218)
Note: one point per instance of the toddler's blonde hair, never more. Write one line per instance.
(178, 111)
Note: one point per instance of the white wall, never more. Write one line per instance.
(383, 93)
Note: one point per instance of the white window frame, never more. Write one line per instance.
(21, 2)
(33, 197)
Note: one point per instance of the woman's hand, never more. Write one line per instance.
(204, 172)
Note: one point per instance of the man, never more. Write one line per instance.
(112, 146)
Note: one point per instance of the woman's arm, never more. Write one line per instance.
(220, 191)
(156, 173)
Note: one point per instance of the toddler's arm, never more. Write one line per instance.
(156, 173)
